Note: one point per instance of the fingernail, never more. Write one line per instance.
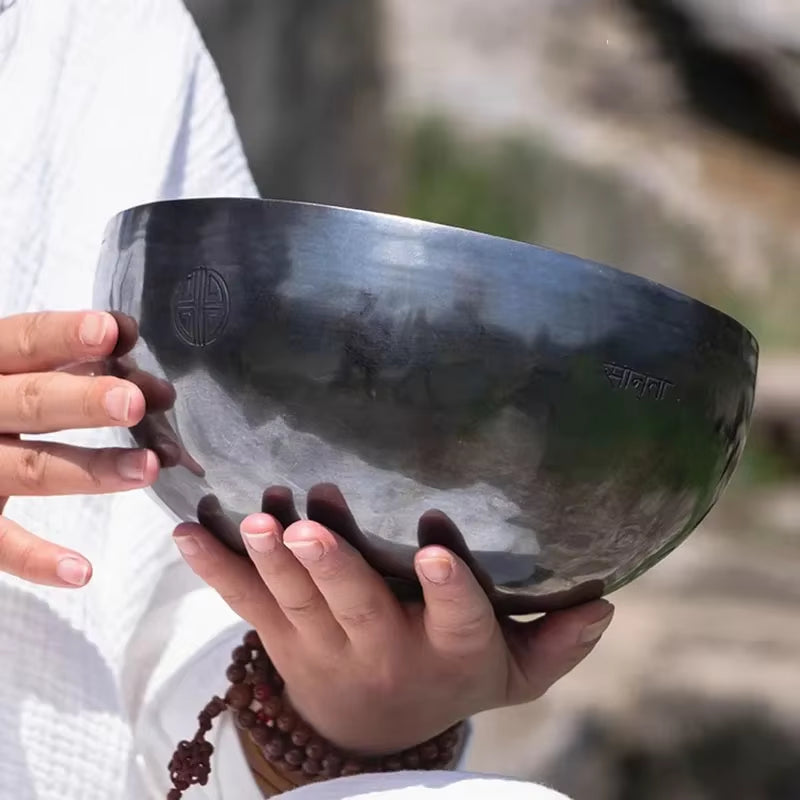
(118, 404)
(437, 569)
(131, 465)
(591, 633)
(261, 542)
(187, 545)
(307, 549)
(93, 329)
(74, 571)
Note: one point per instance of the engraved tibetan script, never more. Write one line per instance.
(645, 386)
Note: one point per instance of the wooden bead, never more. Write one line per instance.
(261, 734)
(252, 640)
(428, 752)
(411, 759)
(448, 739)
(331, 766)
(273, 707)
(285, 722)
(215, 707)
(315, 750)
(393, 764)
(275, 749)
(241, 655)
(236, 673)
(295, 757)
(262, 692)
(301, 736)
(240, 696)
(351, 767)
(311, 767)
(246, 719)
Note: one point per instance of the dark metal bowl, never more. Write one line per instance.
(574, 422)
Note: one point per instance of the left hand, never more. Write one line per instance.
(368, 673)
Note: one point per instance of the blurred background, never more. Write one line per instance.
(660, 136)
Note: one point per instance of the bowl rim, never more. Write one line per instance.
(611, 271)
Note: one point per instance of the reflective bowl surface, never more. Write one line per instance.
(571, 422)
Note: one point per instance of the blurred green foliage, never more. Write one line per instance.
(483, 187)
(496, 187)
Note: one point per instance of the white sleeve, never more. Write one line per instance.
(423, 786)
(208, 159)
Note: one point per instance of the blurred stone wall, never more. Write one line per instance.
(305, 81)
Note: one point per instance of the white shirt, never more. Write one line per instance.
(105, 104)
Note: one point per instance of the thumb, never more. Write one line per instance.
(545, 650)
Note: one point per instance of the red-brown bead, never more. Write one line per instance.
(285, 722)
(252, 640)
(236, 673)
(262, 692)
(315, 750)
(241, 655)
(261, 734)
(352, 767)
(392, 764)
(239, 696)
(332, 765)
(294, 757)
(311, 767)
(428, 752)
(273, 707)
(275, 748)
(301, 735)
(215, 707)
(246, 719)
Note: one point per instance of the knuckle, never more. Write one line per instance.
(5, 536)
(25, 561)
(360, 616)
(235, 598)
(30, 406)
(302, 606)
(33, 468)
(452, 623)
(95, 468)
(28, 339)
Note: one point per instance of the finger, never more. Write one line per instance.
(358, 598)
(52, 401)
(545, 650)
(459, 618)
(34, 560)
(50, 468)
(213, 518)
(278, 502)
(326, 505)
(435, 527)
(44, 341)
(127, 333)
(159, 393)
(232, 577)
(290, 584)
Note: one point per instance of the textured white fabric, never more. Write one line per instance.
(103, 104)
(424, 786)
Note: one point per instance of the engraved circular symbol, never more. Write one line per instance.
(200, 307)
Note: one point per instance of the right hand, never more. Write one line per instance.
(37, 397)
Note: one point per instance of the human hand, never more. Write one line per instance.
(39, 395)
(370, 674)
